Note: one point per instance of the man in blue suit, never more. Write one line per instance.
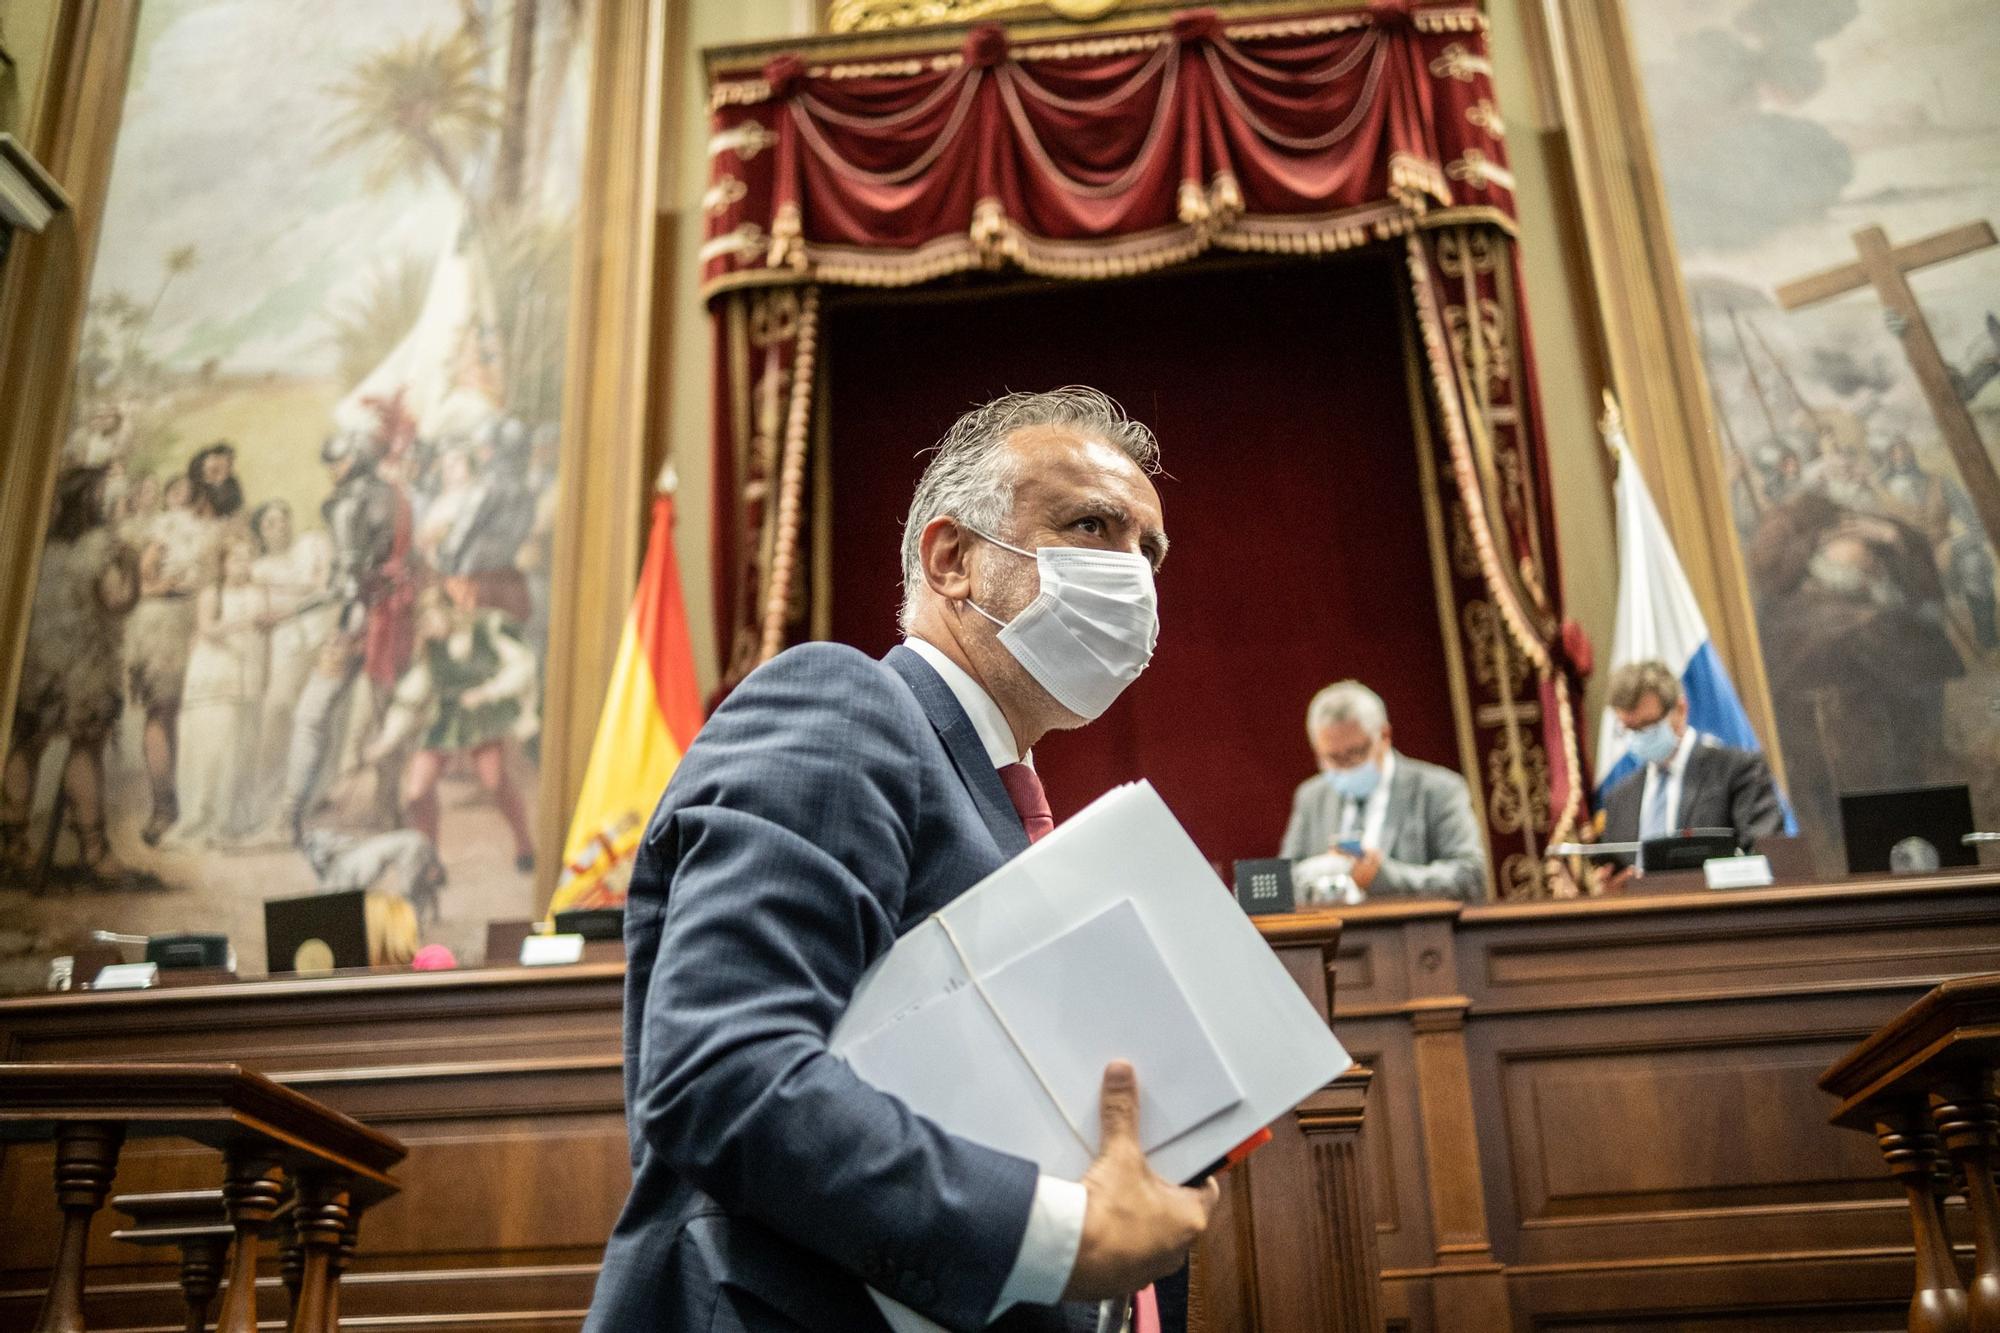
(829, 806)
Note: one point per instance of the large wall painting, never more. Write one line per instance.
(1833, 172)
(292, 610)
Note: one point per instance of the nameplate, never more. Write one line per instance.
(127, 976)
(1737, 872)
(551, 950)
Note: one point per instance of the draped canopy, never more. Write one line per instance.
(1113, 152)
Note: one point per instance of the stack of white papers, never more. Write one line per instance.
(1111, 938)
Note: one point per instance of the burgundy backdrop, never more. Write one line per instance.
(1291, 495)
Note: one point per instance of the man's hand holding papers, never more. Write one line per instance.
(1137, 1227)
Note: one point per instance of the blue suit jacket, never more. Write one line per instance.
(831, 804)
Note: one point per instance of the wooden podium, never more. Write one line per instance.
(1305, 1194)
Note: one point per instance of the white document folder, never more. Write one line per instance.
(1111, 938)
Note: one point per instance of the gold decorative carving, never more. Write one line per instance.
(1492, 337)
(1520, 793)
(1521, 876)
(1464, 555)
(882, 15)
(1456, 62)
(1487, 117)
(1495, 665)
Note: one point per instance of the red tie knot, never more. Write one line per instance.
(1024, 789)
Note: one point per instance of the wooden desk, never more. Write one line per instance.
(1579, 1112)
(1591, 1114)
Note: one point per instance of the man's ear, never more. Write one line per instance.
(941, 551)
(1387, 737)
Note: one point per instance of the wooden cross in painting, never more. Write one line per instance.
(1886, 269)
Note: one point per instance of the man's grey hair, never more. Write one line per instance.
(1346, 701)
(971, 473)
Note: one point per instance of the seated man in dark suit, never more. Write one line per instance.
(1686, 780)
(1390, 823)
(830, 805)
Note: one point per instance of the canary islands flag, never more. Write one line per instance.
(1658, 618)
(651, 712)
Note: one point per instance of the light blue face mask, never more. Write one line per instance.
(1655, 744)
(1357, 783)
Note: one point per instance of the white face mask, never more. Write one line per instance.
(1090, 630)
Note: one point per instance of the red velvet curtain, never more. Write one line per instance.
(1120, 152)
(1291, 491)
(1106, 154)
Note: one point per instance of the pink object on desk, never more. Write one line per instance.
(433, 958)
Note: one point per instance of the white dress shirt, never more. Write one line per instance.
(1055, 1218)
(1672, 773)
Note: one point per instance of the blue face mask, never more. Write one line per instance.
(1655, 744)
(1357, 783)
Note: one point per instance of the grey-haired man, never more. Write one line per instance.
(1392, 824)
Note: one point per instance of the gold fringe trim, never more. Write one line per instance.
(1258, 32)
(857, 266)
(1098, 46)
(745, 92)
(1463, 473)
(791, 479)
(875, 69)
(1450, 20)
(1572, 757)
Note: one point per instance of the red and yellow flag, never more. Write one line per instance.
(651, 713)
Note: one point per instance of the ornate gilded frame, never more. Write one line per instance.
(1644, 324)
(612, 413)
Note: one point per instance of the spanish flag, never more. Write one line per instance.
(651, 712)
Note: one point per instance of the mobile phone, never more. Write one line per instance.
(1350, 847)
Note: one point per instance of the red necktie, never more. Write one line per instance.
(1024, 789)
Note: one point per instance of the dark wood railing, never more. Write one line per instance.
(291, 1168)
(1924, 1086)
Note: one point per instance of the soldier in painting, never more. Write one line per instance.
(369, 524)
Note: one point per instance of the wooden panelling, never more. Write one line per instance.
(1712, 946)
(1651, 1145)
(1584, 1116)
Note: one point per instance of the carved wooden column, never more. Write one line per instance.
(1911, 1150)
(1467, 1283)
(201, 1277)
(250, 1195)
(322, 1217)
(1968, 1124)
(291, 1266)
(86, 1160)
(1343, 1224)
(350, 1239)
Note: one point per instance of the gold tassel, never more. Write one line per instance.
(787, 247)
(1225, 198)
(1192, 204)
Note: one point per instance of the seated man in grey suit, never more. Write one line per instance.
(831, 804)
(1686, 780)
(1396, 824)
